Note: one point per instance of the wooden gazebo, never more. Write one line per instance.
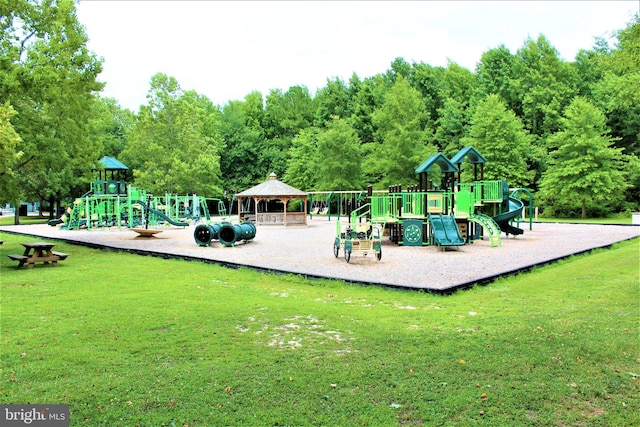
(262, 212)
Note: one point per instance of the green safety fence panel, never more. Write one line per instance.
(464, 204)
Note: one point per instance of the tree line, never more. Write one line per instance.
(568, 131)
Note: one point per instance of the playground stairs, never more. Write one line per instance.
(75, 217)
(490, 227)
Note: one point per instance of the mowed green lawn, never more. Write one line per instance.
(127, 340)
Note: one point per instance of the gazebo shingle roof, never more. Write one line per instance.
(272, 188)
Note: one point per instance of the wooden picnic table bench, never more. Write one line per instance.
(38, 252)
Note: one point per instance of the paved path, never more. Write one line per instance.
(309, 251)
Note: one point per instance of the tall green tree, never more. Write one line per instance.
(175, 145)
(452, 126)
(585, 170)
(618, 92)
(429, 81)
(590, 66)
(339, 165)
(9, 156)
(303, 167)
(109, 126)
(497, 74)
(499, 135)
(547, 85)
(331, 100)
(365, 97)
(254, 111)
(458, 83)
(241, 161)
(459, 87)
(405, 135)
(285, 115)
(49, 77)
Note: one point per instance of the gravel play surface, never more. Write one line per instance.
(309, 251)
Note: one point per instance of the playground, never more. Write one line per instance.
(438, 236)
(308, 251)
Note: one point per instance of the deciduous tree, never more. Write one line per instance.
(9, 156)
(49, 77)
(339, 155)
(303, 167)
(175, 145)
(499, 135)
(404, 137)
(585, 170)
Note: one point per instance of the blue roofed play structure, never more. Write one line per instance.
(113, 202)
(111, 163)
(114, 180)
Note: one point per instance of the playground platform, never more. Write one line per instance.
(308, 251)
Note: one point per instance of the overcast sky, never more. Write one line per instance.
(225, 50)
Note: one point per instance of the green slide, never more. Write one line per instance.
(161, 216)
(515, 210)
(444, 230)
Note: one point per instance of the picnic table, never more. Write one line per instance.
(38, 252)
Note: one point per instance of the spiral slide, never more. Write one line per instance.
(514, 211)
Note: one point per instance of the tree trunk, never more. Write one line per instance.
(16, 215)
(584, 208)
(52, 208)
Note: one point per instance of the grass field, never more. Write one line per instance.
(10, 219)
(127, 340)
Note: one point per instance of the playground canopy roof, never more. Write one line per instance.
(111, 163)
(437, 159)
(474, 156)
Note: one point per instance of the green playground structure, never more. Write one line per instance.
(444, 214)
(135, 208)
(111, 202)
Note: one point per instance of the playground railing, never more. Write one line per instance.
(410, 204)
(362, 212)
(413, 204)
(487, 191)
(384, 207)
